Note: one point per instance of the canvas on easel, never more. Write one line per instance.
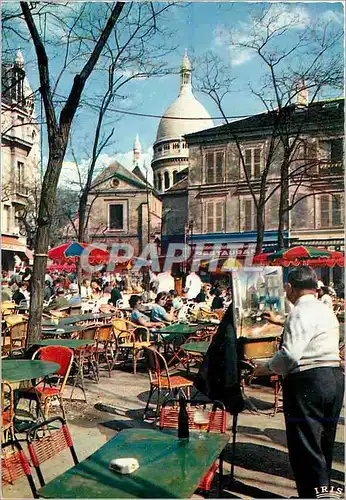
(256, 290)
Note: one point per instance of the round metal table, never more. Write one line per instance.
(19, 370)
(198, 347)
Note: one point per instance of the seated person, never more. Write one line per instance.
(137, 316)
(158, 312)
(204, 294)
(58, 301)
(17, 296)
(115, 295)
(176, 301)
(218, 300)
(75, 299)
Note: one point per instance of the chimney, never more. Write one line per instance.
(302, 93)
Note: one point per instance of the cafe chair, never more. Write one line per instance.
(106, 347)
(85, 360)
(44, 390)
(75, 310)
(15, 465)
(161, 381)
(45, 442)
(7, 412)
(14, 344)
(130, 339)
(7, 308)
(169, 417)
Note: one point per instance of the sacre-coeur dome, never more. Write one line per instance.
(185, 106)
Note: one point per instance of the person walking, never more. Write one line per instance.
(313, 384)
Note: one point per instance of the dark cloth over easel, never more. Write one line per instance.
(219, 375)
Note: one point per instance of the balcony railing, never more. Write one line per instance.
(329, 168)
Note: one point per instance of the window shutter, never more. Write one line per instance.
(219, 167)
(324, 206)
(210, 168)
(248, 161)
(257, 163)
(210, 217)
(337, 209)
(219, 213)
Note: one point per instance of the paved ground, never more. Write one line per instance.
(262, 468)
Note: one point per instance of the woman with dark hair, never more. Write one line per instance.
(158, 312)
(137, 316)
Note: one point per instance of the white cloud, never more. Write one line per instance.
(278, 17)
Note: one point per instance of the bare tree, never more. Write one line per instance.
(58, 130)
(308, 61)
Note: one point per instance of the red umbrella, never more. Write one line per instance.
(71, 251)
(69, 268)
(261, 259)
(309, 256)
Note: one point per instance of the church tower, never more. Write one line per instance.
(137, 152)
(185, 116)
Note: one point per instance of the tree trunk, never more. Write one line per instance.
(260, 229)
(44, 223)
(283, 205)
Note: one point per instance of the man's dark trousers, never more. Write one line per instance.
(312, 402)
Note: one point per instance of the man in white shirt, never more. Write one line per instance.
(165, 282)
(193, 285)
(323, 294)
(313, 385)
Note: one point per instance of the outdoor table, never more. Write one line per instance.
(62, 330)
(19, 370)
(168, 467)
(71, 343)
(70, 320)
(198, 347)
(179, 328)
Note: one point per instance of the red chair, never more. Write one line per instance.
(161, 380)
(64, 357)
(217, 423)
(51, 443)
(15, 465)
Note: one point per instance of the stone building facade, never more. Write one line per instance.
(220, 203)
(124, 209)
(20, 159)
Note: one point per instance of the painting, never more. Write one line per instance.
(256, 290)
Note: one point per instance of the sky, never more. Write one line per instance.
(198, 27)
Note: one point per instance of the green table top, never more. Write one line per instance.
(179, 328)
(200, 347)
(72, 343)
(70, 320)
(18, 370)
(62, 330)
(168, 467)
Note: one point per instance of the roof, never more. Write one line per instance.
(321, 114)
(178, 186)
(115, 169)
(138, 173)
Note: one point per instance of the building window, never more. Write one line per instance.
(214, 167)
(159, 182)
(331, 210)
(116, 217)
(252, 158)
(301, 214)
(175, 176)
(249, 215)
(166, 147)
(175, 145)
(20, 127)
(166, 180)
(215, 216)
(20, 174)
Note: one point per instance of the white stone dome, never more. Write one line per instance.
(185, 106)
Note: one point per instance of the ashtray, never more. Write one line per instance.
(124, 465)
